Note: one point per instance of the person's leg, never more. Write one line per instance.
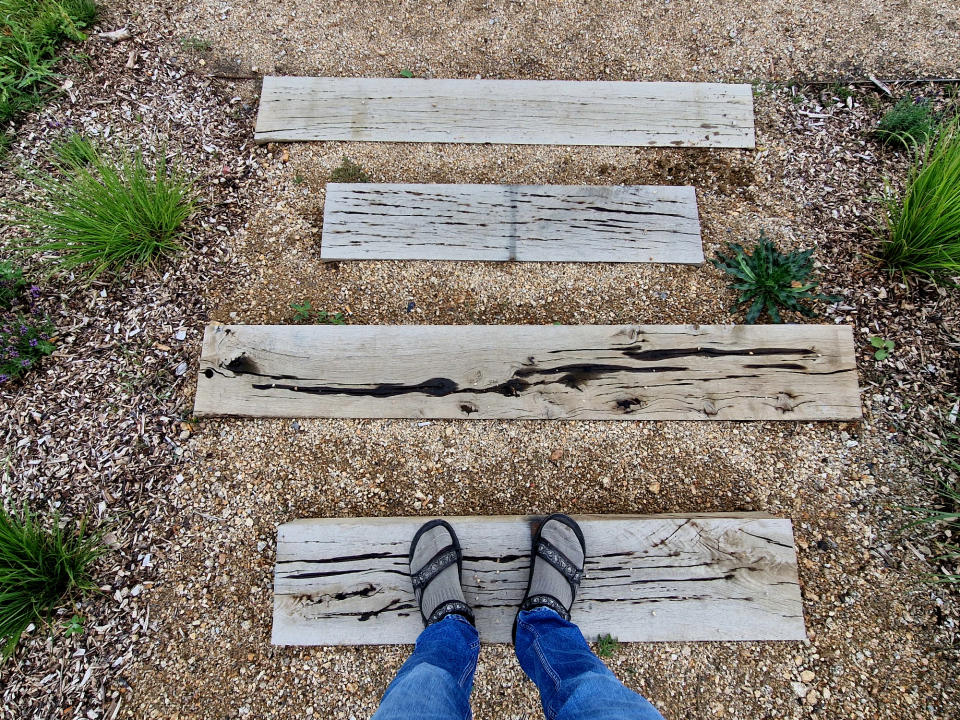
(435, 681)
(574, 683)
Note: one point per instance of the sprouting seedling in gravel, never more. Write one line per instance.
(769, 280)
(607, 645)
(882, 347)
(405, 73)
(195, 44)
(305, 313)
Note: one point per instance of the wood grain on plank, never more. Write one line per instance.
(580, 372)
(547, 112)
(648, 578)
(547, 223)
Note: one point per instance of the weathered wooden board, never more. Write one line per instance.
(546, 112)
(547, 223)
(648, 578)
(581, 372)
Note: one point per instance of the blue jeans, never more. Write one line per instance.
(435, 682)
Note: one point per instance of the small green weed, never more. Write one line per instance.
(349, 172)
(606, 645)
(40, 568)
(30, 33)
(109, 215)
(74, 151)
(923, 224)
(842, 92)
(770, 280)
(195, 44)
(73, 626)
(12, 283)
(405, 73)
(304, 313)
(908, 123)
(882, 347)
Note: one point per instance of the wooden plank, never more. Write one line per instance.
(559, 223)
(547, 112)
(648, 578)
(585, 372)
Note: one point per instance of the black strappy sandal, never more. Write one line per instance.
(545, 551)
(444, 558)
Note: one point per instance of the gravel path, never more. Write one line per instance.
(182, 629)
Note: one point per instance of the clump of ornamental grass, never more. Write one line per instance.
(906, 124)
(74, 151)
(771, 281)
(108, 215)
(42, 565)
(923, 222)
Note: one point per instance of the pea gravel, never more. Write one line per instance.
(182, 627)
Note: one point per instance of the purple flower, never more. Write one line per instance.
(4, 378)
(33, 342)
(34, 290)
(25, 363)
(14, 353)
(24, 329)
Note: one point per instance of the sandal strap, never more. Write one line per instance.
(549, 552)
(451, 607)
(437, 564)
(536, 601)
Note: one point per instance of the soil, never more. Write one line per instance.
(182, 626)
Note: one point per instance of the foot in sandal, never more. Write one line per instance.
(556, 566)
(436, 562)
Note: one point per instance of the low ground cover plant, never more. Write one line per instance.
(943, 519)
(30, 33)
(771, 281)
(12, 283)
(107, 214)
(349, 172)
(923, 222)
(42, 565)
(910, 122)
(25, 334)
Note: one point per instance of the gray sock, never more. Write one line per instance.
(547, 580)
(446, 585)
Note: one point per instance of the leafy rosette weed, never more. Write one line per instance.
(771, 281)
